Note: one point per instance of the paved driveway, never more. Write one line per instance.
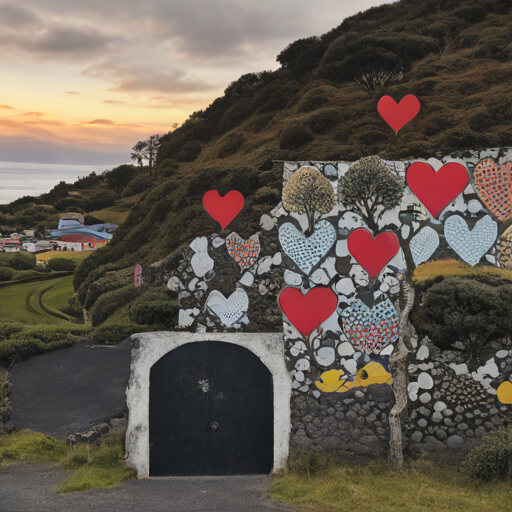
(28, 488)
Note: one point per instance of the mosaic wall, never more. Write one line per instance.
(337, 287)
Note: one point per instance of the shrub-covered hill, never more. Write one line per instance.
(321, 104)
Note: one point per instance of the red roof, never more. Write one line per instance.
(79, 238)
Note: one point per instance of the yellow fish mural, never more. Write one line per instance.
(336, 380)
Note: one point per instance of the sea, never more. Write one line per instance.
(19, 179)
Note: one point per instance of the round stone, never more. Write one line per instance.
(425, 398)
(455, 441)
(425, 381)
(422, 423)
(439, 406)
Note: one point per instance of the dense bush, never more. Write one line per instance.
(295, 136)
(167, 168)
(108, 303)
(5, 404)
(61, 264)
(23, 261)
(20, 342)
(492, 458)
(6, 273)
(138, 185)
(101, 199)
(119, 177)
(235, 115)
(231, 144)
(116, 332)
(155, 307)
(324, 120)
(474, 311)
(189, 152)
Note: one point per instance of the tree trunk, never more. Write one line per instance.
(311, 223)
(398, 361)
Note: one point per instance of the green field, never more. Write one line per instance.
(76, 256)
(114, 215)
(38, 302)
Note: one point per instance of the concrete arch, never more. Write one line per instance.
(148, 348)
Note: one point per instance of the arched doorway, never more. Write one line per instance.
(211, 412)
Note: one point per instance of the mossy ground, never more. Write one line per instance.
(93, 466)
(336, 486)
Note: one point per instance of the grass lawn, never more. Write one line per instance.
(423, 487)
(95, 467)
(115, 214)
(77, 256)
(38, 302)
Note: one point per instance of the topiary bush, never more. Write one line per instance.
(61, 264)
(295, 137)
(155, 307)
(108, 303)
(23, 261)
(492, 458)
(116, 332)
(6, 273)
(472, 310)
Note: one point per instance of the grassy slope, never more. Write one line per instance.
(423, 487)
(464, 89)
(22, 302)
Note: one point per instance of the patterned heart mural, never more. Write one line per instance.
(424, 244)
(470, 245)
(505, 249)
(307, 312)
(307, 252)
(244, 252)
(373, 254)
(373, 329)
(493, 183)
(230, 310)
(436, 189)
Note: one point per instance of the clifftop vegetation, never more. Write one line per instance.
(321, 105)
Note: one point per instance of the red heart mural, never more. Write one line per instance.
(373, 254)
(398, 115)
(307, 312)
(223, 209)
(436, 189)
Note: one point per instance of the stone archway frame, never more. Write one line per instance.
(148, 348)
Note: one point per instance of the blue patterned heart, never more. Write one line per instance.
(370, 330)
(470, 245)
(424, 244)
(307, 252)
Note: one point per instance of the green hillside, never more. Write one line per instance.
(321, 105)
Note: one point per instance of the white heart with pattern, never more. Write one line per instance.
(230, 310)
(470, 245)
(307, 252)
(424, 244)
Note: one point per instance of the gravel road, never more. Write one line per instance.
(26, 487)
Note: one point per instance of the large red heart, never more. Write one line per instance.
(223, 209)
(306, 312)
(436, 189)
(373, 254)
(398, 115)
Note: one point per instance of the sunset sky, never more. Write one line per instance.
(83, 80)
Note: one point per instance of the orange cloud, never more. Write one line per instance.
(34, 114)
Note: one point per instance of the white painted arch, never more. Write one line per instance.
(148, 348)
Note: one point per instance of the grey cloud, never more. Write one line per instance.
(134, 78)
(13, 15)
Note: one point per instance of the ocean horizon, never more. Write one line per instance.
(18, 179)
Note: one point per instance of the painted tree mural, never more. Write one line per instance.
(307, 192)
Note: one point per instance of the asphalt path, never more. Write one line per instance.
(27, 487)
(65, 391)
